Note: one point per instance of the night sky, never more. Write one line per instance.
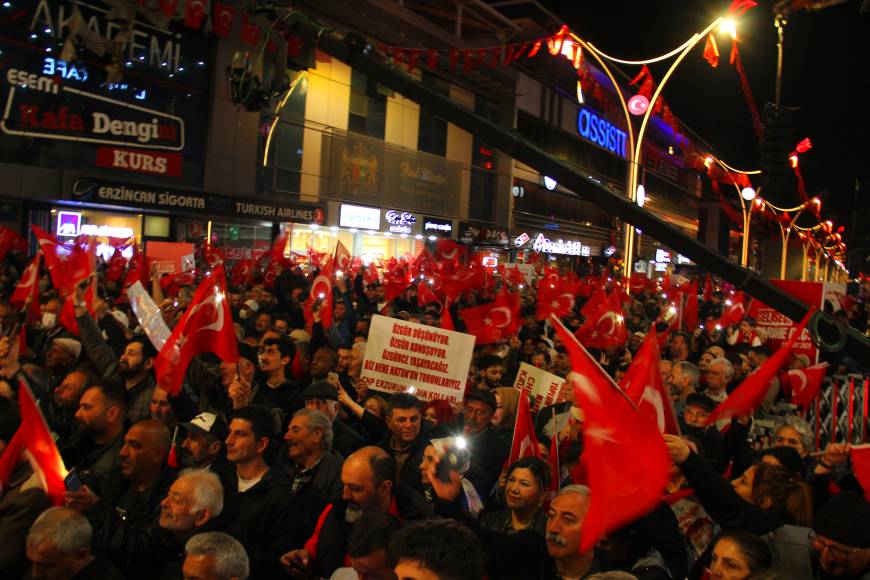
(826, 75)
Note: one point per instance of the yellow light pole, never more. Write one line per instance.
(635, 157)
(785, 229)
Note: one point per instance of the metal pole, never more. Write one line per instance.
(780, 22)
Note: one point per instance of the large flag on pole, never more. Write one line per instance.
(524, 443)
(643, 385)
(207, 325)
(625, 458)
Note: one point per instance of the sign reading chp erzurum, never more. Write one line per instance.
(546, 388)
(401, 355)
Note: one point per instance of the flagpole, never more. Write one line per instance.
(555, 442)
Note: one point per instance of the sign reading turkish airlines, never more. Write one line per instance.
(140, 161)
(401, 355)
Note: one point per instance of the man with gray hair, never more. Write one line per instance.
(312, 467)
(215, 556)
(59, 548)
(718, 374)
(683, 380)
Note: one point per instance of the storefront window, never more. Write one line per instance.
(68, 224)
(235, 241)
(370, 246)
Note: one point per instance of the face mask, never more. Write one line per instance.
(48, 319)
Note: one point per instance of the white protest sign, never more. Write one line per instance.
(149, 315)
(546, 388)
(403, 354)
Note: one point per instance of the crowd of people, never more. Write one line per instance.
(285, 464)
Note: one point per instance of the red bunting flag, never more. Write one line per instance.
(711, 51)
(625, 460)
(194, 12)
(250, 31)
(169, 7)
(206, 326)
(494, 321)
(222, 19)
(749, 395)
(805, 384)
(524, 443)
(643, 385)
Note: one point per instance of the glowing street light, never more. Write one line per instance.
(747, 193)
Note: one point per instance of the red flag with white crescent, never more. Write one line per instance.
(805, 384)
(321, 291)
(222, 19)
(494, 321)
(28, 288)
(643, 384)
(206, 326)
(524, 442)
(606, 327)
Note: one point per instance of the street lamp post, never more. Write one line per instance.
(786, 229)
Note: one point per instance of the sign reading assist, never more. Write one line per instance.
(601, 132)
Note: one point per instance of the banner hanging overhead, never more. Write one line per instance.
(404, 355)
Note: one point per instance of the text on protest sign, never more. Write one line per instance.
(546, 388)
(403, 354)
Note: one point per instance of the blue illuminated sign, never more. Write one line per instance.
(601, 132)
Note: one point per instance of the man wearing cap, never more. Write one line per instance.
(203, 446)
(323, 396)
(488, 449)
(60, 359)
(693, 423)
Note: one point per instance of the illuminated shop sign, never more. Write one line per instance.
(547, 246)
(357, 216)
(601, 132)
(69, 224)
(437, 226)
(400, 222)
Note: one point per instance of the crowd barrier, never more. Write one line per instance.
(840, 411)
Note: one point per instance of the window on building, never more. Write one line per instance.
(484, 180)
(283, 172)
(368, 107)
(432, 136)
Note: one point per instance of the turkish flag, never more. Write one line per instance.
(861, 466)
(194, 12)
(207, 325)
(168, 7)
(805, 384)
(173, 283)
(342, 258)
(241, 273)
(514, 276)
(320, 291)
(643, 385)
(212, 255)
(117, 265)
(276, 259)
(708, 288)
(68, 265)
(589, 285)
(625, 459)
(397, 278)
(734, 311)
(11, 240)
(33, 440)
(524, 443)
(748, 396)
(452, 285)
(638, 283)
(425, 295)
(448, 252)
(690, 310)
(553, 462)
(446, 319)
(222, 19)
(28, 287)
(493, 321)
(711, 51)
(606, 327)
(138, 271)
(250, 31)
(555, 296)
(594, 303)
